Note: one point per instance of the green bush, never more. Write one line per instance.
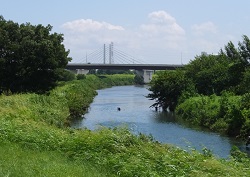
(202, 110)
(227, 113)
(80, 76)
(220, 126)
(65, 75)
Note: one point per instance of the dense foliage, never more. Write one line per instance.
(139, 80)
(34, 142)
(199, 90)
(30, 57)
(108, 71)
(166, 88)
(210, 74)
(66, 75)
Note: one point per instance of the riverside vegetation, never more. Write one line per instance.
(36, 141)
(211, 91)
(35, 137)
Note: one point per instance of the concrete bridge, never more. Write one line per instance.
(74, 66)
(144, 70)
(108, 58)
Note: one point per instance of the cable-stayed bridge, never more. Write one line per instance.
(75, 66)
(112, 58)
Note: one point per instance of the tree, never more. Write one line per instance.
(209, 73)
(244, 86)
(239, 61)
(110, 72)
(30, 57)
(244, 50)
(167, 87)
(231, 52)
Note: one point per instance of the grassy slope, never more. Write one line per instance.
(34, 142)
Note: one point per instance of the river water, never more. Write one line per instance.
(139, 118)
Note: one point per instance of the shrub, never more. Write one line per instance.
(227, 113)
(202, 110)
(80, 76)
(65, 75)
(139, 80)
(220, 125)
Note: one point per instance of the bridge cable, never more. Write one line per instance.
(130, 58)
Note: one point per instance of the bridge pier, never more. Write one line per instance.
(79, 71)
(82, 71)
(145, 74)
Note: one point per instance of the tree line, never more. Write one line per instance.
(227, 73)
(206, 75)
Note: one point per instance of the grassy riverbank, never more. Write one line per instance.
(35, 141)
(227, 114)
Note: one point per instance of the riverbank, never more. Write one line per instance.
(227, 114)
(35, 125)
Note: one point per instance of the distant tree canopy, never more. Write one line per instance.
(205, 75)
(30, 57)
(110, 72)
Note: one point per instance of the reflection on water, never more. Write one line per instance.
(139, 118)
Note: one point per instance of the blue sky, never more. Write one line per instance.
(154, 31)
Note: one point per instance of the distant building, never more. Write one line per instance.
(204, 53)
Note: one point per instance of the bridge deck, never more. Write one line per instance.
(74, 66)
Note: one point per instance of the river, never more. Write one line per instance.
(139, 118)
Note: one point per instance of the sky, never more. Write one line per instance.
(152, 31)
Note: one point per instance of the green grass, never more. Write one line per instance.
(34, 141)
(17, 161)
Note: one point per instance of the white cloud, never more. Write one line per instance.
(163, 24)
(161, 33)
(83, 25)
(204, 28)
(161, 17)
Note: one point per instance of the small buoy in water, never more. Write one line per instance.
(118, 109)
